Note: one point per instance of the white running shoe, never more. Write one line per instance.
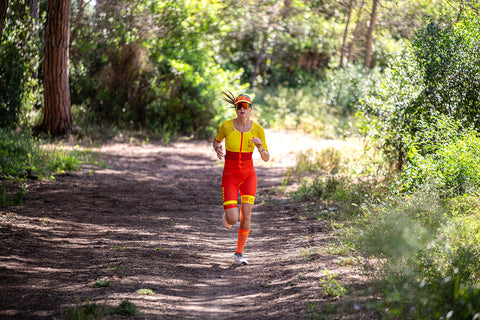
(239, 259)
(225, 223)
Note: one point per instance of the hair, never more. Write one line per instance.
(229, 97)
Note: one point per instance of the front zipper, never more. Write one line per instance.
(241, 144)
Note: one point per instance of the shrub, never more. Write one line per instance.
(450, 160)
(126, 308)
(437, 74)
(424, 251)
(22, 156)
(164, 80)
(19, 60)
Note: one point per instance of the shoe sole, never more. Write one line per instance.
(243, 262)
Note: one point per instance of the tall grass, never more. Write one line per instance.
(345, 176)
(24, 157)
(424, 245)
(421, 244)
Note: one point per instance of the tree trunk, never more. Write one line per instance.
(355, 31)
(57, 117)
(344, 40)
(368, 49)
(3, 16)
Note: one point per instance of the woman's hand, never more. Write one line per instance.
(263, 153)
(258, 142)
(219, 151)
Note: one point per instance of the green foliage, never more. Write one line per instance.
(424, 253)
(11, 194)
(22, 156)
(395, 233)
(162, 79)
(347, 175)
(101, 283)
(126, 308)
(288, 108)
(86, 311)
(147, 292)
(19, 60)
(331, 286)
(343, 88)
(321, 107)
(317, 314)
(15, 154)
(438, 74)
(92, 311)
(455, 249)
(448, 56)
(450, 159)
(327, 161)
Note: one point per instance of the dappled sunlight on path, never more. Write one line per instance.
(150, 220)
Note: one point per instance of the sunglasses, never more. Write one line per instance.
(242, 105)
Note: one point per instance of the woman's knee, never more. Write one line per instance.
(231, 215)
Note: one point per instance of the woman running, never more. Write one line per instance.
(241, 136)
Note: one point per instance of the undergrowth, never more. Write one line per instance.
(420, 248)
(23, 157)
(89, 310)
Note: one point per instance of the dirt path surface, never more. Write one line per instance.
(152, 220)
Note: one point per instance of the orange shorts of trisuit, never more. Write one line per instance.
(243, 182)
(239, 173)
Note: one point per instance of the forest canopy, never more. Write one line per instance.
(161, 65)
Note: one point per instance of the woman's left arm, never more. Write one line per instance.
(263, 153)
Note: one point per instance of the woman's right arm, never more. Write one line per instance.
(218, 148)
(215, 144)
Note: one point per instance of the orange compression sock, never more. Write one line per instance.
(242, 239)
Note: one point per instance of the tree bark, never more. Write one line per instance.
(3, 16)
(57, 117)
(342, 51)
(368, 49)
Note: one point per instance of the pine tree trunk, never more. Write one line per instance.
(355, 31)
(368, 49)
(57, 117)
(3, 16)
(344, 40)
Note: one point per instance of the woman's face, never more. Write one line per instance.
(242, 112)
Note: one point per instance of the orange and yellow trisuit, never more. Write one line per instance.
(239, 173)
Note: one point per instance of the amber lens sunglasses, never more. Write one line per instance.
(241, 105)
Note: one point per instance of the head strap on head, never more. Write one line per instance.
(243, 98)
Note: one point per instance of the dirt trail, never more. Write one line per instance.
(151, 220)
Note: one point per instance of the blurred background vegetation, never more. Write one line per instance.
(399, 79)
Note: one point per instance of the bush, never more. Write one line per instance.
(163, 79)
(22, 156)
(424, 252)
(450, 160)
(437, 74)
(126, 308)
(19, 60)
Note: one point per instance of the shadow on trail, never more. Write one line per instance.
(150, 220)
